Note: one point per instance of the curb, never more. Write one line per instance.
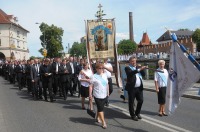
(184, 95)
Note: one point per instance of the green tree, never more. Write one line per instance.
(183, 29)
(78, 49)
(51, 39)
(196, 38)
(126, 47)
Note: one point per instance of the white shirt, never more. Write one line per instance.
(56, 67)
(72, 66)
(88, 73)
(99, 91)
(159, 79)
(106, 71)
(138, 81)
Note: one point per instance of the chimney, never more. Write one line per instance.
(131, 26)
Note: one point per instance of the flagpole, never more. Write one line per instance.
(191, 58)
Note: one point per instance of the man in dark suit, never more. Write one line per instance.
(65, 76)
(56, 77)
(134, 86)
(46, 75)
(74, 75)
(28, 76)
(20, 71)
(34, 80)
(38, 84)
(12, 72)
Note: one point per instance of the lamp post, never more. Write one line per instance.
(44, 44)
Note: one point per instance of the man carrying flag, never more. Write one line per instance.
(183, 73)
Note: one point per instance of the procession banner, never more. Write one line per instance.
(182, 75)
(100, 38)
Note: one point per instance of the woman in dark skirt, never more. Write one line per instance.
(84, 78)
(99, 89)
(161, 85)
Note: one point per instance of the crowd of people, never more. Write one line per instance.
(49, 78)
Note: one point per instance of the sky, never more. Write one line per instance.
(151, 16)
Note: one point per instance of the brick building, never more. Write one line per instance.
(165, 41)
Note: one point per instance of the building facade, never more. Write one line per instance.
(13, 38)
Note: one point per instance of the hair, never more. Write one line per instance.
(84, 64)
(98, 65)
(132, 57)
(161, 61)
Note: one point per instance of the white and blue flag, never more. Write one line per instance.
(183, 73)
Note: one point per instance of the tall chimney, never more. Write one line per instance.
(131, 26)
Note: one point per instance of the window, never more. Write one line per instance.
(18, 44)
(17, 33)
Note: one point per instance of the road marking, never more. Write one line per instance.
(152, 121)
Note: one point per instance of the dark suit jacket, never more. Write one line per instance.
(45, 69)
(64, 76)
(131, 78)
(33, 73)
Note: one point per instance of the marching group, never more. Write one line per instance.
(49, 78)
(56, 77)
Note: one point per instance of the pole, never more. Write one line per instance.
(131, 26)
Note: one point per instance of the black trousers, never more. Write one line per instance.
(110, 85)
(37, 88)
(47, 84)
(132, 94)
(74, 79)
(56, 84)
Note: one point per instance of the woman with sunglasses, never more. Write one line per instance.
(100, 90)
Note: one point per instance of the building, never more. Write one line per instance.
(13, 38)
(165, 41)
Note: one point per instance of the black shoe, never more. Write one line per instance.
(52, 100)
(139, 116)
(134, 118)
(46, 100)
(40, 97)
(160, 115)
(164, 114)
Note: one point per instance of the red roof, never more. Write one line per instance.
(5, 19)
(145, 39)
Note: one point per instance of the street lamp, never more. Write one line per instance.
(44, 45)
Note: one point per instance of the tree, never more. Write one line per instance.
(196, 38)
(126, 47)
(78, 49)
(51, 40)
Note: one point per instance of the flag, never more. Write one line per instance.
(182, 75)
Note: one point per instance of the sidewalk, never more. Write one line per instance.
(190, 93)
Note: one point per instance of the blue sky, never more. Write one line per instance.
(148, 15)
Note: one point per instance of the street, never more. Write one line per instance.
(19, 113)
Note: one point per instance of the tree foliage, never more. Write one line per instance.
(196, 38)
(51, 39)
(183, 29)
(78, 49)
(126, 47)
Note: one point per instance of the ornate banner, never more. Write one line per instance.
(100, 38)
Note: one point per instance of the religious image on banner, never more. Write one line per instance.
(100, 38)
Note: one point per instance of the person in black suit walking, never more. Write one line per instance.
(74, 75)
(38, 84)
(46, 75)
(20, 71)
(56, 77)
(134, 86)
(65, 73)
(33, 75)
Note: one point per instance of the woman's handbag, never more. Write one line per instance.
(90, 112)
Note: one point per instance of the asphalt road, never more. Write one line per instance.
(19, 113)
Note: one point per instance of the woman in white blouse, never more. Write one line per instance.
(100, 90)
(84, 78)
(161, 85)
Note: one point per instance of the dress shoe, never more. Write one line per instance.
(139, 116)
(46, 100)
(164, 114)
(134, 118)
(160, 115)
